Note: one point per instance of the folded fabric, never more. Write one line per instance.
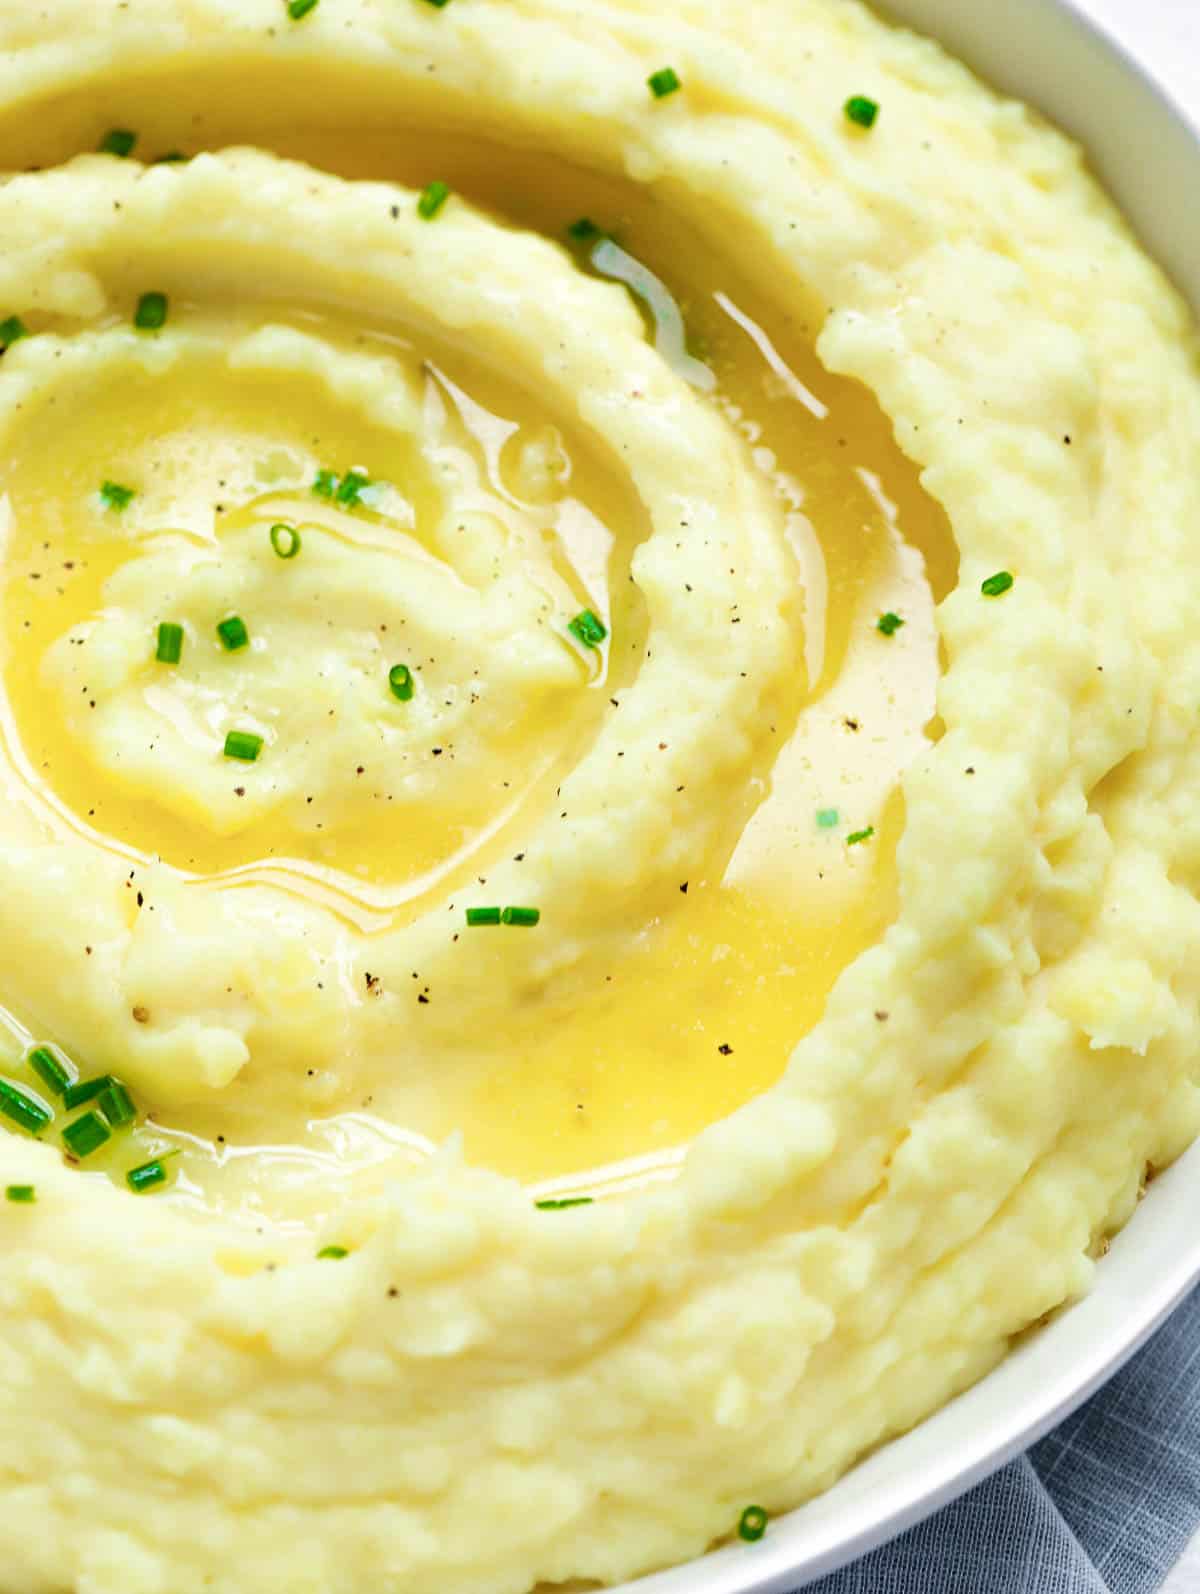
(1103, 1505)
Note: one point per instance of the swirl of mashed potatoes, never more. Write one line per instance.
(428, 657)
(483, 615)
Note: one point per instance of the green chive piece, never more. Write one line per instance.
(853, 839)
(583, 230)
(478, 917)
(996, 586)
(332, 1253)
(300, 8)
(326, 484)
(433, 196)
(438, 3)
(400, 679)
(86, 1090)
(861, 111)
(54, 1070)
(21, 1194)
(146, 1177)
(86, 1134)
(173, 157)
(827, 818)
(170, 643)
(151, 312)
(588, 628)
(753, 1524)
(233, 633)
(562, 1204)
(23, 1108)
(888, 623)
(117, 1106)
(114, 496)
(285, 540)
(120, 141)
(244, 745)
(12, 331)
(526, 918)
(352, 485)
(663, 82)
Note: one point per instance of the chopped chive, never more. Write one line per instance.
(352, 485)
(861, 111)
(285, 540)
(300, 8)
(170, 643)
(23, 1108)
(326, 484)
(478, 917)
(52, 1068)
(526, 918)
(120, 141)
(583, 230)
(233, 633)
(400, 679)
(86, 1134)
(438, 3)
(663, 82)
(588, 628)
(889, 623)
(244, 745)
(753, 1524)
(855, 836)
(561, 1204)
(86, 1090)
(117, 1106)
(173, 157)
(12, 331)
(114, 496)
(996, 586)
(21, 1194)
(827, 818)
(146, 1177)
(433, 196)
(332, 1253)
(151, 312)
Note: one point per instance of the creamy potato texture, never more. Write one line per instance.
(607, 533)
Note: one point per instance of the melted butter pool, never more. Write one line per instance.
(219, 458)
(601, 1084)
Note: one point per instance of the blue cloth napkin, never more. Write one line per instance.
(1104, 1505)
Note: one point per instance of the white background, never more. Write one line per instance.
(1165, 36)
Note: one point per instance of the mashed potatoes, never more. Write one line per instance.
(618, 1007)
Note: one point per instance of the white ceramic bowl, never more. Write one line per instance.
(1148, 154)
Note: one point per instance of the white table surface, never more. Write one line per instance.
(1165, 37)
